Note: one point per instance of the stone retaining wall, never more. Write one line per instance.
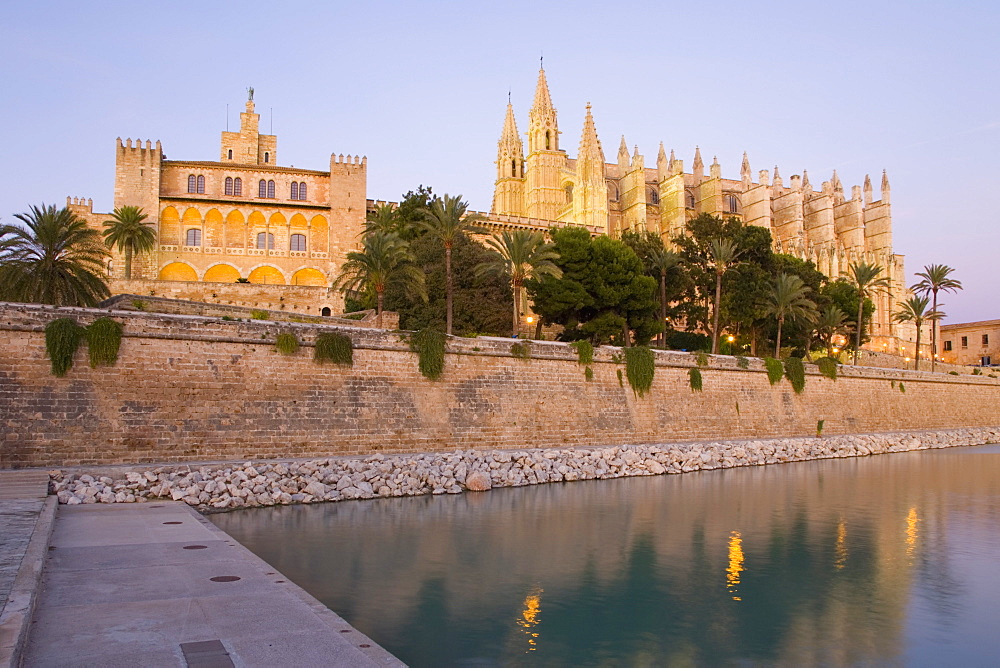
(189, 388)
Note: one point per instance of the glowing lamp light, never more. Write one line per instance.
(730, 338)
(836, 350)
(530, 319)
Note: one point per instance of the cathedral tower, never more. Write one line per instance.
(590, 198)
(508, 194)
(248, 146)
(545, 194)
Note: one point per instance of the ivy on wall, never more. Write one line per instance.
(429, 346)
(334, 347)
(694, 380)
(774, 369)
(795, 371)
(104, 339)
(286, 343)
(62, 338)
(640, 367)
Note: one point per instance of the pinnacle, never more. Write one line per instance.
(543, 101)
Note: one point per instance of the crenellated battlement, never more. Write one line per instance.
(80, 204)
(340, 159)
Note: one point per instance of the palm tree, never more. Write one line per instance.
(129, 233)
(867, 281)
(915, 310)
(788, 299)
(447, 218)
(661, 261)
(520, 255)
(723, 255)
(935, 279)
(384, 257)
(831, 321)
(383, 218)
(54, 259)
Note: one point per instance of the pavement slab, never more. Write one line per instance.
(159, 585)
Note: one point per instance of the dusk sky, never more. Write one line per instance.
(421, 89)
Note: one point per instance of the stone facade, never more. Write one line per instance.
(243, 216)
(187, 388)
(970, 342)
(546, 187)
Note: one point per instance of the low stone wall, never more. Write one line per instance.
(195, 389)
(250, 484)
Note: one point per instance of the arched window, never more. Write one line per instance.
(295, 190)
(513, 168)
(297, 242)
(653, 197)
(237, 186)
(547, 141)
(265, 240)
(732, 204)
(192, 237)
(569, 193)
(689, 199)
(229, 185)
(262, 188)
(201, 184)
(302, 190)
(270, 189)
(192, 183)
(325, 312)
(267, 157)
(230, 154)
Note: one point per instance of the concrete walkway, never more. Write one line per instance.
(26, 518)
(157, 584)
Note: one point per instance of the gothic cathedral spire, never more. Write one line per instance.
(508, 195)
(543, 128)
(590, 201)
(545, 194)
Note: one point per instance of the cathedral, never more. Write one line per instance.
(547, 187)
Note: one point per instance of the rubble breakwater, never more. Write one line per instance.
(218, 487)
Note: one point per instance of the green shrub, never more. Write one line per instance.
(618, 358)
(819, 428)
(521, 351)
(104, 338)
(229, 318)
(701, 359)
(902, 388)
(827, 367)
(621, 378)
(286, 343)
(334, 347)
(355, 316)
(694, 380)
(977, 372)
(774, 369)
(953, 373)
(62, 338)
(640, 367)
(429, 346)
(742, 362)
(138, 305)
(584, 352)
(588, 373)
(795, 372)
(258, 314)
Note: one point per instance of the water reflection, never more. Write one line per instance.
(816, 567)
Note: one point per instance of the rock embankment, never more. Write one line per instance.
(269, 483)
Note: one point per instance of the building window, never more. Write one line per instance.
(732, 204)
(965, 342)
(265, 238)
(192, 238)
(653, 196)
(569, 193)
(325, 312)
(267, 157)
(229, 185)
(192, 183)
(270, 189)
(986, 339)
(262, 188)
(237, 186)
(230, 154)
(689, 199)
(302, 190)
(947, 346)
(295, 190)
(201, 185)
(298, 242)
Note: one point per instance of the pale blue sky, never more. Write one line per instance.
(420, 88)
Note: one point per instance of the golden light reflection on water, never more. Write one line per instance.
(735, 565)
(841, 547)
(911, 532)
(529, 618)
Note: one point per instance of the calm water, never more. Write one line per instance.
(886, 560)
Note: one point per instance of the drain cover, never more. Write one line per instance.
(195, 547)
(206, 654)
(225, 578)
